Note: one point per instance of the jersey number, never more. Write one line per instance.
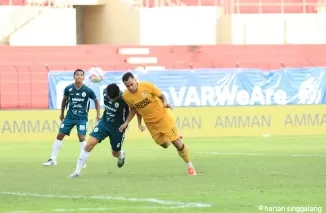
(82, 127)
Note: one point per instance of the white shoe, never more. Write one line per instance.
(121, 161)
(73, 175)
(84, 166)
(50, 162)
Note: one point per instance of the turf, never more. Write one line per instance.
(234, 175)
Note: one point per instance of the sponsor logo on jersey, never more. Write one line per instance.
(142, 104)
(110, 108)
(78, 99)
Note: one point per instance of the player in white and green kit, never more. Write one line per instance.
(76, 99)
(115, 114)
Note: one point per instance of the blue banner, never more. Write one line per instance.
(216, 87)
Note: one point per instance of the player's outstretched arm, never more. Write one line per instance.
(165, 101)
(131, 115)
(163, 98)
(140, 126)
(98, 109)
(63, 106)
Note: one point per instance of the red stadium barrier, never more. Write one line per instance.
(23, 70)
(248, 6)
(13, 2)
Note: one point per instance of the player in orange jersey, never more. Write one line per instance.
(150, 103)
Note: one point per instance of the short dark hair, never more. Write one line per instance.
(113, 91)
(126, 76)
(79, 70)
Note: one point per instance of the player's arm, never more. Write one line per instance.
(64, 103)
(164, 100)
(131, 115)
(126, 110)
(63, 106)
(98, 109)
(97, 104)
(139, 118)
(140, 126)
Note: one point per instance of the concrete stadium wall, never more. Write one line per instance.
(113, 23)
(52, 27)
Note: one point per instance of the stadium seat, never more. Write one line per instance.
(274, 65)
(73, 67)
(227, 64)
(39, 90)
(7, 68)
(274, 6)
(9, 90)
(55, 67)
(13, 2)
(37, 68)
(24, 89)
(112, 66)
(181, 65)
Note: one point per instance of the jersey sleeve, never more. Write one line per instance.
(125, 108)
(125, 99)
(154, 90)
(66, 92)
(92, 95)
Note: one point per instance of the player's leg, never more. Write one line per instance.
(169, 111)
(171, 134)
(84, 155)
(116, 141)
(98, 134)
(164, 141)
(81, 132)
(65, 129)
(184, 154)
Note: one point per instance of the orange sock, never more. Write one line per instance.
(184, 154)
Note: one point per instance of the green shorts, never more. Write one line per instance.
(103, 130)
(67, 125)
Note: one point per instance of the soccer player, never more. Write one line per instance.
(76, 100)
(150, 103)
(115, 114)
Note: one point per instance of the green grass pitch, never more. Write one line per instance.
(233, 175)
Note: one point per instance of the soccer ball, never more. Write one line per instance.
(95, 74)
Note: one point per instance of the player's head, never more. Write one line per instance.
(130, 82)
(79, 75)
(113, 91)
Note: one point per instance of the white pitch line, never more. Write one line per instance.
(144, 200)
(25, 212)
(82, 209)
(260, 154)
(33, 211)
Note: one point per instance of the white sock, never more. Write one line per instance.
(82, 159)
(82, 146)
(190, 165)
(55, 149)
(122, 155)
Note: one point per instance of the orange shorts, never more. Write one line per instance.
(163, 130)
